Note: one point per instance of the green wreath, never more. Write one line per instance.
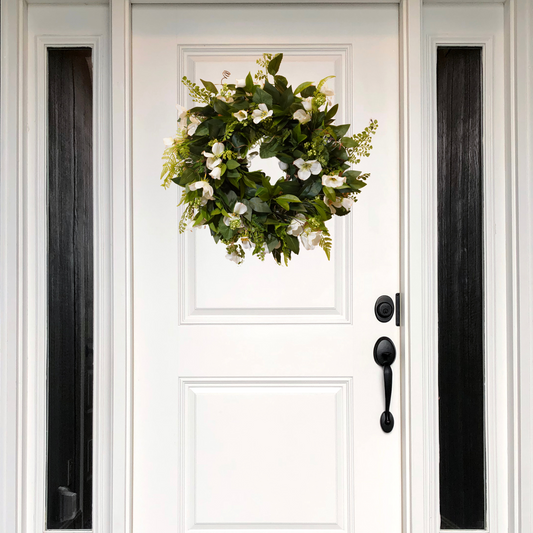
(210, 158)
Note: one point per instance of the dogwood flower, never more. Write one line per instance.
(301, 116)
(216, 173)
(193, 125)
(232, 218)
(340, 201)
(182, 112)
(310, 239)
(308, 103)
(328, 93)
(240, 82)
(283, 165)
(261, 113)
(333, 181)
(307, 168)
(241, 115)
(296, 226)
(213, 159)
(235, 257)
(207, 193)
(228, 99)
(246, 242)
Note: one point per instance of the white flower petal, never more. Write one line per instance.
(216, 173)
(299, 162)
(263, 107)
(304, 174)
(240, 82)
(283, 165)
(218, 148)
(301, 116)
(240, 208)
(316, 167)
(169, 141)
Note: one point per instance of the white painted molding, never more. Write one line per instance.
(419, 383)
(12, 35)
(519, 34)
(121, 388)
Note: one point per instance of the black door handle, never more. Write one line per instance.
(384, 355)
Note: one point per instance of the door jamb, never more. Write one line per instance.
(419, 453)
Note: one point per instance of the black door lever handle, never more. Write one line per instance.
(384, 355)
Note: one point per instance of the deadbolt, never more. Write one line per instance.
(384, 308)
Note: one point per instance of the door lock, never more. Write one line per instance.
(384, 308)
(384, 355)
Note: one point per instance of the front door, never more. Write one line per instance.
(257, 400)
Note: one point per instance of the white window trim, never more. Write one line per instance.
(418, 387)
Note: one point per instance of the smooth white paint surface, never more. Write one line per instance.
(297, 332)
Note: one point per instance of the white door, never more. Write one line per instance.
(257, 400)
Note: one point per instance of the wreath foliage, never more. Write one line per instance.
(263, 115)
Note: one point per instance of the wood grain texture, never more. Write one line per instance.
(70, 283)
(460, 279)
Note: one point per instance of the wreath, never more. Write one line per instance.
(211, 153)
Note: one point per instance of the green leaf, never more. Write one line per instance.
(293, 243)
(221, 107)
(311, 188)
(259, 206)
(269, 149)
(231, 164)
(357, 185)
(352, 174)
(271, 241)
(290, 187)
(332, 112)
(188, 176)
(287, 98)
(289, 197)
(262, 97)
(272, 91)
(280, 82)
(273, 65)
(249, 84)
(308, 91)
(224, 230)
(330, 193)
(348, 142)
(210, 86)
(303, 86)
(339, 131)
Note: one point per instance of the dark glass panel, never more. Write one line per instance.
(460, 277)
(70, 289)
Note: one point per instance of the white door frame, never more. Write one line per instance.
(420, 422)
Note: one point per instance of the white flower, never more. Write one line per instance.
(333, 181)
(340, 201)
(238, 210)
(307, 168)
(261, 83)
(246, 243)
(235, 257)
(216, 173)
(308, 103)
(261, 113)
(182, 112)
(328, 93)
(296, 226)
(193, 125)
(310, 239)
(301, 116)
(212, 157)
(207, 190)
(241, 115)
(240, 82)
(169, 141)
(283, 166)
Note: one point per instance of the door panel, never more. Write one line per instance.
(257, 398)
